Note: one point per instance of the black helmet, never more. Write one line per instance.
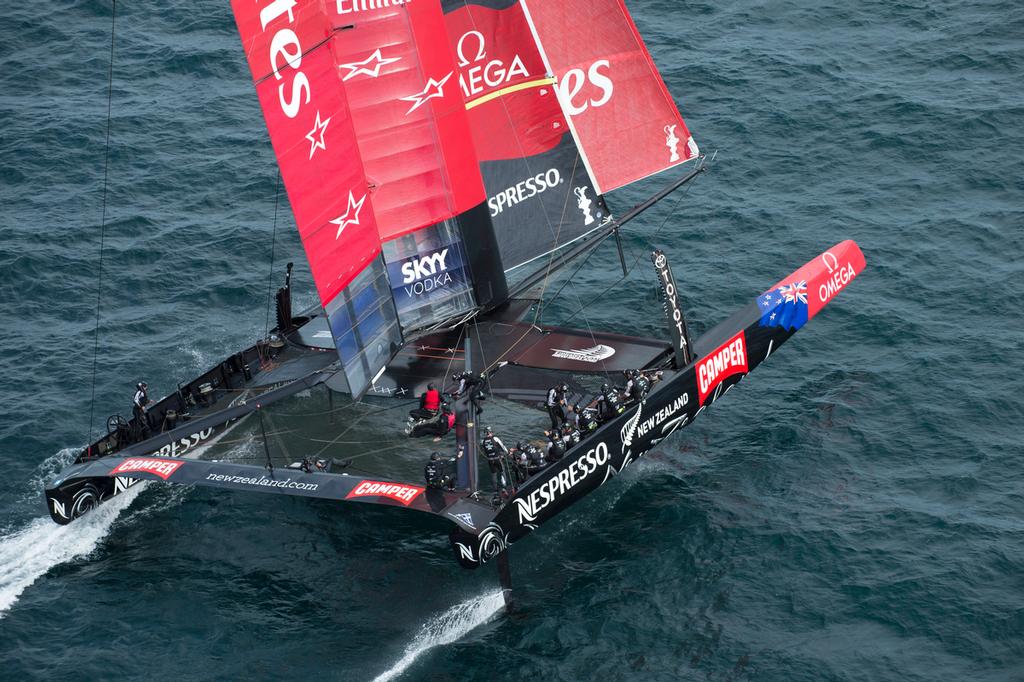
(141, 385)
(489, 430)
(605, 388)
(576, 407)
(564, 387)
(435, 456)
(431, 387)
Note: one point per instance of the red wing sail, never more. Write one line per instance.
(362, 103)
(540, 197)
(623, 116)
(313, 136)
(402, 87)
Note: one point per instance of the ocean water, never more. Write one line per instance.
(855, 511)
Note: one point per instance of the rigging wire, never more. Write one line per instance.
(103, 220)
(636, 262)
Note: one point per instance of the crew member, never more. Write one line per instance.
(495, 451)
(571, 435)
(430, 404)
(554, 403)
(556, 447)
(520, 462)
(588, 420)
(572, 416)
(436, 472)
(140, 408)
(437, 427)
(629, 375)
(639, 385)
(609, 405)
(534, 458)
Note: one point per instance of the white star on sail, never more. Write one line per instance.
(351, 214)
(433, 89)
(319, 128)
(370, 66)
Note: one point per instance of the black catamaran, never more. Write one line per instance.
(443, 159)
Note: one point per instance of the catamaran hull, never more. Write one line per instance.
(725, 355)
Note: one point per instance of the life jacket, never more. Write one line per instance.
(451, 420)
(433, 472)
(432, 400)
(490, 448)
(571, 436)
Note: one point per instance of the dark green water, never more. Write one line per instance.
(854, 512)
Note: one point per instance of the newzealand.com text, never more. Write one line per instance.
(263, 482)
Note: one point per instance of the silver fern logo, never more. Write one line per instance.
(628, 431)
(592, 355)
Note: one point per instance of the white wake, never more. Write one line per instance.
(446, 628)
(28, 553)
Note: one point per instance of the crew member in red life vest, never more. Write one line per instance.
(430, 404)
(438, 427)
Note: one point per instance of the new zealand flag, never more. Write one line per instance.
(785, 306)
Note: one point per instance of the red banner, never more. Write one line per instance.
(725, 361)
(623, 116)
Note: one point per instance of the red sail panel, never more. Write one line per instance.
(287, 45)
(540, 197)
(400, 78)
(623, 116)
(512, 104)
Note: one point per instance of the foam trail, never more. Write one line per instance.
(29, 553)
(450, 626)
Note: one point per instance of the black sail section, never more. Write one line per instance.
(539, 194)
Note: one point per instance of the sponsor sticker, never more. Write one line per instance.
(160, 467)
(728, 359)
(592, 355)
(561, 483)
(399, 492)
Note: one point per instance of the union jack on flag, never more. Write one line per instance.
(785, 306)
(795, 292)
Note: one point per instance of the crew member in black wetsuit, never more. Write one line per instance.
(554, 403)
(495, 451)
(140, 408)
(628, 375)
(640, 385)
(436, 472)
(571, 435)
(555, 449)
(609, 405)
(588, 419)
(534, 458)
(520, 462)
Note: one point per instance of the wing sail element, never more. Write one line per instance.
(624, 118)
(539, 195)
(369, 131)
